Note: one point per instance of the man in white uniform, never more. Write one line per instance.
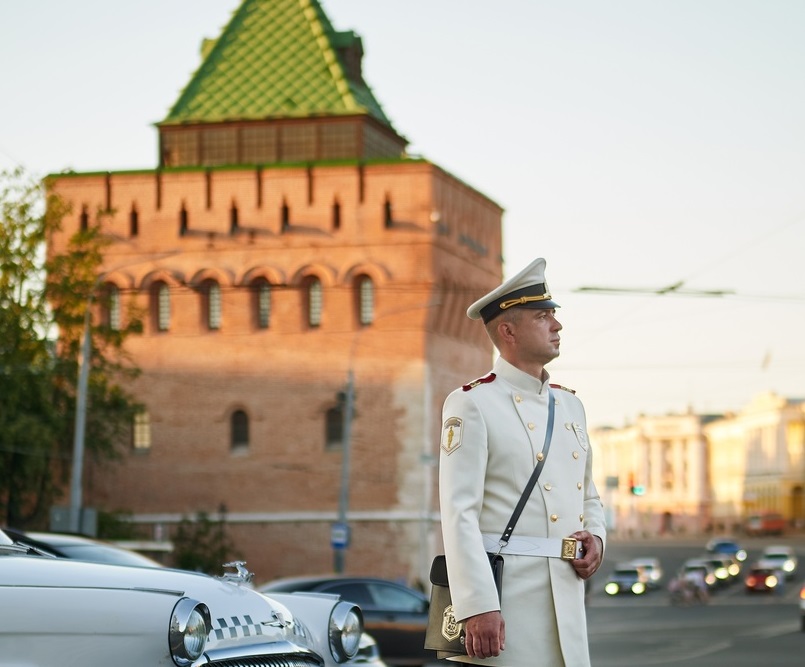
(493, 435)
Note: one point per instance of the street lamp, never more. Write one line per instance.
(81, 419)
(79, 432)
(340, 531)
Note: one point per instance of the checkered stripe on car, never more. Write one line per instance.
(236, 626)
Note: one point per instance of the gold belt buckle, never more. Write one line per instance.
(569, 548)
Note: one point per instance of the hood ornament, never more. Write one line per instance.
(240, 576)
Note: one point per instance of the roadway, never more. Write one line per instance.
(733, 630)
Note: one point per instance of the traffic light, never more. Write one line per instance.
(634, 488)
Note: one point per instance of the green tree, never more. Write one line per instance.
(201, 545)
(43, 300)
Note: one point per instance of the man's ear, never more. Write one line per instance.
(506, 331)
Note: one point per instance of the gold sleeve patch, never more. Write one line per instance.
(451, 435)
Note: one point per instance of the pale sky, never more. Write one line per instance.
(632, 143)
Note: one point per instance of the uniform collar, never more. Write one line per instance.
(520, 379)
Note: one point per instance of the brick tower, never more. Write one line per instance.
(291, 258)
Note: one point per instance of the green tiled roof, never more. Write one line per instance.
(275, 59)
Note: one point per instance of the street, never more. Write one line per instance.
(733, 630)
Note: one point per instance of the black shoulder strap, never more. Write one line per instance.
(534, 475)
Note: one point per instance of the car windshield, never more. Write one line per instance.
(105, 554)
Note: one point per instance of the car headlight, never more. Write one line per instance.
(189, 628)
(346, 628)
(740, 555)
(638, 588)
(612, 588)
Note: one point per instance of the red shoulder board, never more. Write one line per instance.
(484, 380)
(559, 386)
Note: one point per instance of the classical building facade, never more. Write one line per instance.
(705, 473)
(759, 456)
(290, 260)
(655, 474)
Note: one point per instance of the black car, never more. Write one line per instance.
(627, 578)
(394, 614)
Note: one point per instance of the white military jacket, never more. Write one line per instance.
(492, 431)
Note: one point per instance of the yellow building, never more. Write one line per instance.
(758, 461)
(694, 473)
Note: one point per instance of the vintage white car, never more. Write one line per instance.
(65, 612)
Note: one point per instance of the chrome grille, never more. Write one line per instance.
(269, 661)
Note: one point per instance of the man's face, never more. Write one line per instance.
(537, 335)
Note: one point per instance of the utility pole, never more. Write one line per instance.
(80, 423)
(340, 530)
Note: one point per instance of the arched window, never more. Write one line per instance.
(160, 306)
(110, 306)
(336, 214)
(239, 430)
(84, 219)
(261, 290)
(314, 302)
(285, 216)
(134, 222)
(184, 221)
(211, 306)
(365, 290)
(388, 216)
(233, 219)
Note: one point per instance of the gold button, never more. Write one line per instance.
(547, 487)
(531, 426)
(581, 517)
(554, 517)
(575, 455)
(568, 426)
(518, 399)
(578, 486)
(540, 456)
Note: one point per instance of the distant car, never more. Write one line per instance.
(728, 546)
(769, 523)
(725, 568)
(781, 557)
(394, 614)
(696, 568)
(627, 578)
(78, 547)
(55, 610)
(802, 608)
(652, 567)
(762, 579)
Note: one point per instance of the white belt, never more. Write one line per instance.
(566, 548)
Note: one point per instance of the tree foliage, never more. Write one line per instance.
(202, 545)
(43, 301)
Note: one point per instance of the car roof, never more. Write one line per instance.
(80, 547)
(312, 582)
